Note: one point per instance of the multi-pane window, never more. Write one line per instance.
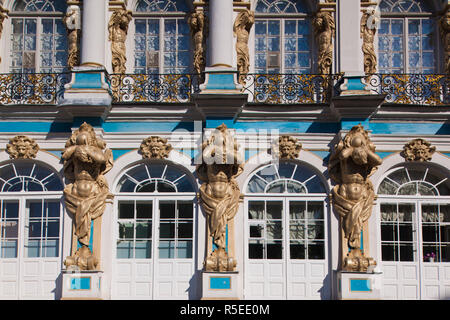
(406, 38)
(415, 215)
(287, 225)
(282, 37)
(159, 220)
(38, 36)
(161, 38)
(9, 228)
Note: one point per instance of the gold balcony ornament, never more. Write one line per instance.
(444, 23)
(85, 163)
(351, 164)
(118, 30)
(198, 24)
(219, 197)
(418, 150)
(22, 147)
(155, 148)
(286, 147)
(72, 21)
(324, 30)
(241, 29)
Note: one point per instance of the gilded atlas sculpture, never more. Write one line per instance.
(286, 147)
(72, 21)
(418, 150)
(155, 148)
(354, 160)
(219, 197)
(241, 29)
(22, 147)
(324, 30)
(118, 30)
(3, 15)
(199, 27)
(444, 24)
(368, 30)
(85, 163)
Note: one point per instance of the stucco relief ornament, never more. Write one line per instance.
(72, 21)
(219, 196)
(444, 24)
(241, 28)
(324, 29)
(286, 147)
(198, 24)
(85, 163)
(155, 148)
(118, 30)
(3, 15)
(369, 23)
(22, 147)
(418, 150)
(354, 160)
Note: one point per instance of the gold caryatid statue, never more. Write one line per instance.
(219, 197)
(85, 163)
(354, 160)
(444, 28)
(241, 28)
(368, 30)
(118, 30)
(3, 15)
(324, 29)
(72, 21)
(198, 24)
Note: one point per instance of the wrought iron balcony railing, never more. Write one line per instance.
(153, 87)
(32, 88)
(290, 88)
(418, 89)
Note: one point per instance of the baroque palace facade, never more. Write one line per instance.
(199, 149)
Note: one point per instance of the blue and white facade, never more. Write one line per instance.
(287, 236)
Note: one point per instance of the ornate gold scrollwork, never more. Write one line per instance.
(418, 150)
(198, 24)
(324, 30)
(219, 196)
(22, 147)
(155, 148)
(352, 163)
(118, 30)
(72, 21)
(85, 163)
(368, 30)
(3, 15)
(444, 23)
(241, 28)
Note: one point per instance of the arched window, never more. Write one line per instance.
(161, 37)
(283, 41)
(38, 36)
(155, 205)
(285, 230)
(30, 229)
(407, 37)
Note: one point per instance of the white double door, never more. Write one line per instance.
(421, 227)
(30, 257)
(162, 269)
(286, 250)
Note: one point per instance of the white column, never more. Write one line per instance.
(350, 59)
(220, 33)
(93, 29)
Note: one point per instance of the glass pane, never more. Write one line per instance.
(388, 252)
(388, 232)
(430, 233)
(315, 210)
(52, 228)
(143, 230)
(9, 228)
(126, 210)
(167, 210)
(143, 249)
(166, 249)
(256, 210)
(144, 210)
(274, 230)
(185, 229)
(255, 249)
(256, 231)
(185, 209)
(274, 209)
(316, 250)
(9, 248)
(124, 249)
(297, 209)
(51, 248)
(296, 230)
(274, 250)
(184, 249)
(297, 250)
(126, 230)
(167, 230)
(33, 248)
(10, 209)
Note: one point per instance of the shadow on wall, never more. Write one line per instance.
(58, 287)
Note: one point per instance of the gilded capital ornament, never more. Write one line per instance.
(444, 24)
(351, 164)
(369, 21)
(86, 160)
(324, 31)
(155, 148)
(286, 147)
(3, 15)
(241, 29)
(22, 147)
(72, 21)
(219, 196)
(118, 30)
(418, 150)
(198, 24)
